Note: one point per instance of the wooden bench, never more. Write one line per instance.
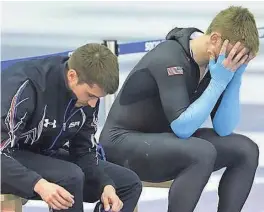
(11, 203)
(166, 184)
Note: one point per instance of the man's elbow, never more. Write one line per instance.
(181, 131)
(222, 131)
(225, 126)
(183, 135)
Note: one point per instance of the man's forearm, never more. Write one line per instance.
(195, 115)
(228, 113)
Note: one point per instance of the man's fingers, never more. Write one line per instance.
(115, 205)
(241, 62)
(224, 47)
(59, 204)
(66, 195)
(62, 201)
(211, 58)
(240, 55)
(53, 206)
(244, 59)
(233, 52)
(106, 204)
(211, 55)
(121, 204)
(63, 191)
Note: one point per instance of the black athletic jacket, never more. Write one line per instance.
(38, 115)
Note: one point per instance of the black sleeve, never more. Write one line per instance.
(17, 106)
(83, 150)
(168, 72)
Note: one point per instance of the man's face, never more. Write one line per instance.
(86, 94)
(216, 43)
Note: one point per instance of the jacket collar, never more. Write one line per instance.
(63, 78)
(182, 36)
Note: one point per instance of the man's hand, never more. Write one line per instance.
(110, 200)
(54, 195)
(242, 68)
(223, 69)
(235, 58)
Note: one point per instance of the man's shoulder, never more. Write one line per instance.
(25, 64)
(167, 54)
(168, 51)
(35, 69)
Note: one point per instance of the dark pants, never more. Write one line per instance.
(162, 156)
(72, 178)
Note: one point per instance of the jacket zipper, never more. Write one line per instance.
(64, 123)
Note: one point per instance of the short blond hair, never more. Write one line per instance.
(236, 24)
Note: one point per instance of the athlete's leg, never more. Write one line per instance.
(127, 183)
(63, 173)
(240, 155)
(162, 157)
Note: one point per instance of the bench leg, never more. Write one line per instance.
(11, 206)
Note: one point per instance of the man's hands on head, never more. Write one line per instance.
(110, 200)
(54, 195)
(235, 58)
(222, 70)
(242, 68)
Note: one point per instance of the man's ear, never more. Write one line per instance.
(215, 38)
(72, 76)
(215, 43)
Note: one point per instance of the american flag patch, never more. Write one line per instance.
(174, 70)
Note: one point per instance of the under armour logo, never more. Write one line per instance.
(47, 123)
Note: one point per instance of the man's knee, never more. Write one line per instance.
(204, 153)
(132, 182)
(247, 150)
(75, 176)
(137, 185)
(134, 187)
